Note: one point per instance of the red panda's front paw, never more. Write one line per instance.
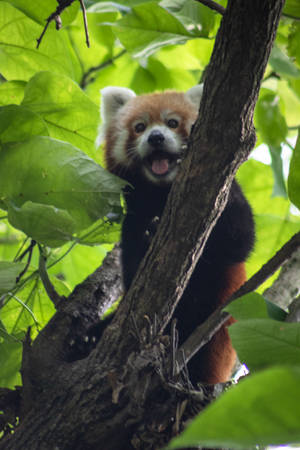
(151, 230)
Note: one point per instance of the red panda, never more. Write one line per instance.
(145, 140)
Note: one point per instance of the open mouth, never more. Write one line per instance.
(161, 163)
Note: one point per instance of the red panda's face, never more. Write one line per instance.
(146, 134)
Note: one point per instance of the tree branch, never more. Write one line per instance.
(287, 286)
(87, 39)
(213, 5)
(85, 79)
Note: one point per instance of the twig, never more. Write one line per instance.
(87, 39)
(28, 250)
(53, 295)
(204, 332)
(290, 16)
(213, 5)
(84, 82)
(63, 4)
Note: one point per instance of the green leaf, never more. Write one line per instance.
(263, 342)
(69, 113)
(12, 92)
(101, 232)
(279, 189)
(292, 8)
(56, 174)
(46, 224)
(269, 120)
(39, 308)
(8, 275)
(282, 64)
(262, 409)
(149, 27)
(10, 359)
(18, 123)
(102, 39)
(195, 16)
(249, 306)
(255, 306)
(19, 58)
(275, 312)
(294, 175)
(293, 42)
(77, 264)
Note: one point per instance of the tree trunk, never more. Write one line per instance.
(121, 395)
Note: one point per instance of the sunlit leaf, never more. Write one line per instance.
(149, 27)
(19, 58)
(12, 92)
(68, 112)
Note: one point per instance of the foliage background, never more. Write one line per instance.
(52, 188)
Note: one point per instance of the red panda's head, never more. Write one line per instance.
(146, 135)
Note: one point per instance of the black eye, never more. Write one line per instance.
(172, 123)
(140, 127)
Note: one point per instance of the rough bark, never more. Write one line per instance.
(287, 286)
(121, 395)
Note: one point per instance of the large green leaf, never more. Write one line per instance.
(263, 342)
(19, 58)
(149, 27)
(46, 224)
(59, 181)
(262, 409)
(69, 113)
(18, 123)
(8, 275)
(294, 176)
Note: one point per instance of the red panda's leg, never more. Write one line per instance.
(219, 354)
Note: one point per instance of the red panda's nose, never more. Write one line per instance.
(156, 138)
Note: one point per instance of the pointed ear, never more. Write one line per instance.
(112, 99)
(194, 94)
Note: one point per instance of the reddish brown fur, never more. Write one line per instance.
(220, 355)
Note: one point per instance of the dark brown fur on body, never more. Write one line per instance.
(221, 269)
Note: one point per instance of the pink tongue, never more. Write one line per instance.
(160, 166)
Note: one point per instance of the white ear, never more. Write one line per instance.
(113, 98)
(194, 94)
